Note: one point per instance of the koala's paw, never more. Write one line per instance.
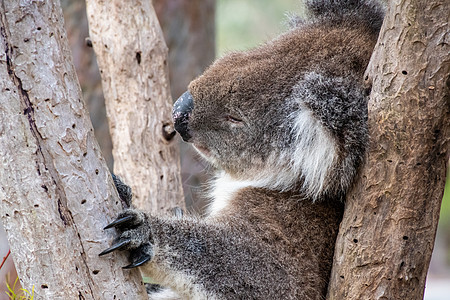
(134, 235)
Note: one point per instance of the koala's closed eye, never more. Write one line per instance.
(233, 119)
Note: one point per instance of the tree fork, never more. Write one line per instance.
(386, 238)
(56, 193)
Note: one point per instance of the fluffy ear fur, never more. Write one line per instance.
(314, 151)
(338, 106)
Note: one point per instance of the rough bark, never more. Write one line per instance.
(56, 193)
(386, 237)
(77, 28)
(132, 58)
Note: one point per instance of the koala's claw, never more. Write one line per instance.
(118, 246)
(119, 221)
(142, 260)
(133, 235)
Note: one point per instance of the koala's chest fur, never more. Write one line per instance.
(289, 228)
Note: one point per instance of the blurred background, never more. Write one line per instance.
(196, 32)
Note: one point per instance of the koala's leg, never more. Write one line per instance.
(200, 259)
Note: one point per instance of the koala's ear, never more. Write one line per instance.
(332, 119)
(314, 150)
(337, 102)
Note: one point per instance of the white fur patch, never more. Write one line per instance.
(315, 152)
(164, 294)
(223, 189)
(177, 284)
(311, 157)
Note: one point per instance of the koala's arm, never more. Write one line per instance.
(204, 259)
(252, 250)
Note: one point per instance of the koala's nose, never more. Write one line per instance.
(181, 111)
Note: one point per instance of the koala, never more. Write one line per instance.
(285, 126)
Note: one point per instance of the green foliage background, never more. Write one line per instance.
(245, 24)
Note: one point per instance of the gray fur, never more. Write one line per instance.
(351, 11)
(340, 105)
(286, 126)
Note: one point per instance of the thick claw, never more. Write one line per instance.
(142, 260)
(115, 247)
(119, 221)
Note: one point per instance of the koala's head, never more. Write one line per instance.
(290, 114)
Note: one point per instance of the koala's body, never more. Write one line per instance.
(285, 124)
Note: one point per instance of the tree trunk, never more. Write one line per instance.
(387, 235)
(56, 191)
(132, 58)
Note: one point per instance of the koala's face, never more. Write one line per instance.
(238, 114)
(249, 115)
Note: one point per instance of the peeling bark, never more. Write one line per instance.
(387, 235)
(55, 189)
(132, 58)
